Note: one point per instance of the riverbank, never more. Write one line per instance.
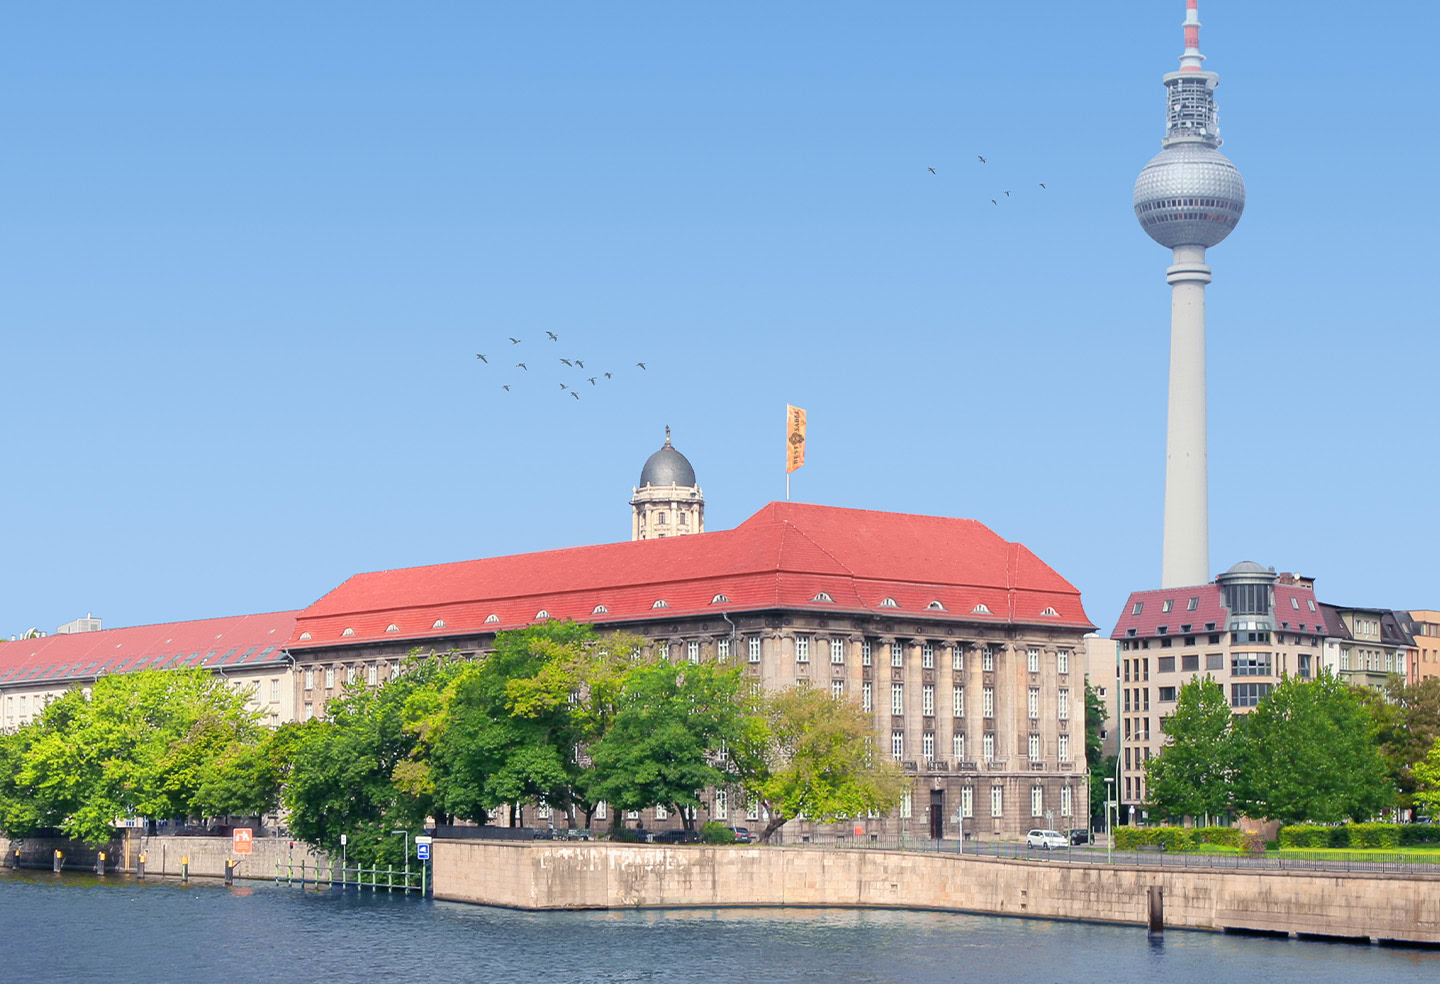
(204, 857)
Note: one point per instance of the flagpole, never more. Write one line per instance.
(787, 486)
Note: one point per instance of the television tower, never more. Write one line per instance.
(1188, 198)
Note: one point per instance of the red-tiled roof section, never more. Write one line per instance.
(785, 555)
(232, 642)
(1297, 616)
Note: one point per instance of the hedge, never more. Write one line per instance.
(1177, 838)
(1360, 835)
(716, 833)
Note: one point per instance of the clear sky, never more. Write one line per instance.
(248, 252)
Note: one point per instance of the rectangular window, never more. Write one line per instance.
(1193, 604)
(632, 814)
(274, 691)
(927, 746)
(1214, 661)
(1247, 694)
(987, 746)
(897, 698)
(987, 659)
(542, 811)
(997, 801)
(692, 651)
(802, 649)
(907, 805)
(837, 652)
(1165, 664)
(752, 809)
(309, 710)
(1250, 664)
(722, 805)
(927, 700)
(1139, 607)
(1062, 661)
(1191, 663)
(1064, 748)
(957, 657)
(957, 748)
(602, 811)
(927, 656)
(837, 689)
(967, 801)
(662, 650)
(987, 702)
(1064, 705)
(897, 745)
(1032, 660)
(722, 650)
(1066, 809)
(754, 645)
(661, 813)
(329, 678)
(897, 654)
(309, 679)
(957, 702)
(1035, 748)
(1037, 801)
(865, 653)
(867, 701)
(372, 674)
(1032, 702)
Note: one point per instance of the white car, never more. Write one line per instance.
(1046, 839)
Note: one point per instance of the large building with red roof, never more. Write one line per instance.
(962, 643)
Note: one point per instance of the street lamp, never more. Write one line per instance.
(1109, 834)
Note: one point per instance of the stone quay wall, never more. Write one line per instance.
(547, 875)
(163, 855)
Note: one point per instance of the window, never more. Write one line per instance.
(1190, 663)
(865, 653)
(1063, 705)
(752, 809)
(1167, 695)
(1032, 660)
(927, 746)
(1295, 603)
(967, 801)
(659, 603)
(1062, 661)
(309, 710)
(897, 654)
(303, 637)
(660, 521)
(957, 746)
(889, 603)
(349, 674)
(927, 700)
(662, 650)
(491, 619)
(987, 659)
(897, 698)
(1214, 661)
(1167, 605)
(1247, 694)
(661, 813)
(1037, 801)
(1250, 664)
(439, 624)
(754, 647)
(907, 805)
(632, 814)
(866, 698)
(837, 652)
(1165, 664)
(997, 801)
(897, 745)
(821, 596)
(1193, 604)
(721, 810)
(599, 610)
(987, 702)
(980, 609)
(719, 599)
(1066, 808)
(602, 812)
(987, 746)
(309, 679)
(957, 657)
(692, 651)
(329, 678)
(957, 701)
(1064, 748)
(372, 674)
(722, 650)
(1032, 702)
(927, 656)
(1034, 748)
(837, 689)
(935, 606)
(1139, 607)
(392, 627)
(274, 691)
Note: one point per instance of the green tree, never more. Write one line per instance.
(1308, 753)
(1407, 724)
(1097, 762)
(1192, 776)
(806, 752)
(1427, 781)
(24, 807)
(245, 779)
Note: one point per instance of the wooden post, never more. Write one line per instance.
(229, 872)
(1157, 909)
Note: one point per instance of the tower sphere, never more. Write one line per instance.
(1189, 195)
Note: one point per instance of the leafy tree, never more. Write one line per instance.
(1099, 764)
(24, 810)
(1427, 779)
(806, 752)
(1308, 752)
(245, 779)
(1407, 724)
(1193, 774)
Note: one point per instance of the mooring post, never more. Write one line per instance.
(100, 863)
(140, 868)
(59, 855)
(1157, 909)
(229, 872)
(15, 859)
(184, 868)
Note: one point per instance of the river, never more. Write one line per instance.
(76, 929)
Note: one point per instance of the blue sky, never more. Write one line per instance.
(250, 251)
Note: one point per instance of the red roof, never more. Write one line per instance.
(785, 555)
(1295, 616)
(234, 642)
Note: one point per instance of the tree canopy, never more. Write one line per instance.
(1194, 772)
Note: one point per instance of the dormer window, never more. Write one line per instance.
(491, 619)
(303, 636)
(823, 596)
(719, 599)
(600, 610)
(1050, 613)
(1163, 629)
(392, 627)
(541, 615)
(348, 632)
(889, 603)
(661, 603)
(981, 609)
(935, 606)
(439, 624)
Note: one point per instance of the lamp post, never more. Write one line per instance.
(1109, 834)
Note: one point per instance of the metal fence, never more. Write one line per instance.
(405, 880)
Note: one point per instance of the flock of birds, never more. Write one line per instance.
(571, 363)
(982, 160)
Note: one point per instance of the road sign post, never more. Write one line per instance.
(240, 840)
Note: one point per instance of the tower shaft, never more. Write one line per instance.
(1185, 554)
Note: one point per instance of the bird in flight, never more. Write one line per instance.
(982, 160)
(640, 364)
(506, 388)
(567, 362)
(1042, 184)
(1007, 194)
(482, 358)
(521, 365)
(575, 394)
(591, 380)
(553, 337)
(931, 170)
(994, 202)
(563, 386)
(608, 375)
(580, 364)
(514, 341)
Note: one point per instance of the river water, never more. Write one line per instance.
(77, 929)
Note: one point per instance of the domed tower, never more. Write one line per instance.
(668, 500)
(1188, 198)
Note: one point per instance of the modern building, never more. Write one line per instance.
(246, 650)
(1102, 671)
(1188, 198)
(1423, 626)
(667, 501)
(967, 648)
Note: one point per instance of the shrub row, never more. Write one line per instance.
(1177, 838)
(1383, 835)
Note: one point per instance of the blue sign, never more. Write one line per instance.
(422, 851)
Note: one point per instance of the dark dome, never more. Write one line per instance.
(667, 467)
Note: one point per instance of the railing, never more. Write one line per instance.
(997, 765)
(404, 880)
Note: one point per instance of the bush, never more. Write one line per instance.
(1225, 836)
(716, 833)
(1308, 835)
(1383, 836)
(1171, 838)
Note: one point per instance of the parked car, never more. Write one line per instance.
(1048, 840)
(680, 836)
(742, 835)
(1079, 835)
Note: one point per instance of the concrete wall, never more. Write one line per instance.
(546, 875)
(163, 855)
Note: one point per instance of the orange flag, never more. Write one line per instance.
(794, 438)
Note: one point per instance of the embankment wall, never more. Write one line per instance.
(163, 855)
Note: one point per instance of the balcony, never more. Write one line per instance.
(1067, 766)
(995, 765)
(1037, 766)
(909, 767)
(967, 767)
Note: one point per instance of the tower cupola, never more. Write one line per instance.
(668, 500)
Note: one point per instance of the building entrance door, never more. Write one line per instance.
(937, 814)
